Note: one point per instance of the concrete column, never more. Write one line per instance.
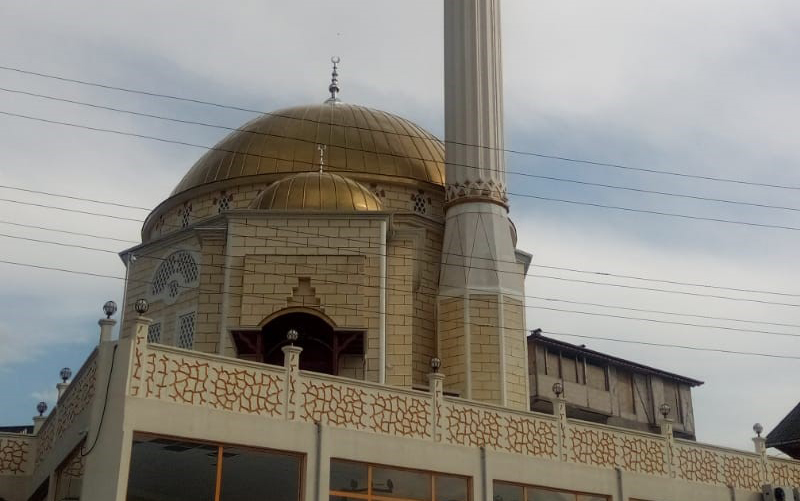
(61, 388)
(436, 382)
(106, 328)
(291, 362)
(669, 438)
(38, 421)
(760, 446)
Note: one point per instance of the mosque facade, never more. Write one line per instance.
(331, 304)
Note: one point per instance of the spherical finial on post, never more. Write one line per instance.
(558, 388)
(436, 364)
(333, 88)
(292, 335)
(664, 409)
(41, 408)
(758, 428)
(65, 374)
(141, 306)
(109, 308)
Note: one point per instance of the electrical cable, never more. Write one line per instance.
(42, 267)
(105, 403)
(539, 298)
(433, 295)
(349, 148)
(507, 150)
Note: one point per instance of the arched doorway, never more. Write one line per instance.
(326, 349)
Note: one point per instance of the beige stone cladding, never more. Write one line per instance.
(452, 345)
(336, 255)
(515, 353)
(484, 339)
(163, 309)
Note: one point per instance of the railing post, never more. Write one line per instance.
(291, 363)
(560, 411)
(436, 382)
(760, 446)
(669, 439)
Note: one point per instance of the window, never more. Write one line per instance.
(420, 203)
(180, 470)
(185, 216)
(358, 481)
(177, 272)
(154, 333)
(224, 202)
(505, 491)
(186, 331)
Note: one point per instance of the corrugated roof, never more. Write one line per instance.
(596, 355)
(787, 431)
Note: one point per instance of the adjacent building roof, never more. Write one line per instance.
(25, 429)
(610, 359)
(786, 436)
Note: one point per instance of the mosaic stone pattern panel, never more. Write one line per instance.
(176, 377)
(711, 466)
(480, 426)
(347, 406)
(14, 454)
(607, 448)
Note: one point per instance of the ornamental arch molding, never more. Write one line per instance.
(175, 273)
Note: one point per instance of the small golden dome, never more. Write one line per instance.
(317, 191)
(358, 141)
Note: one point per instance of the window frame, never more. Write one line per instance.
(300, 456)
(525, 487)
(373, 497)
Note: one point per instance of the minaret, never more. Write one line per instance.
(481, 287)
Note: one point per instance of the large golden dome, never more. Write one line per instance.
(317, 191)
(358, 141)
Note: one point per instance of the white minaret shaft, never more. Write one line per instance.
(481, 308)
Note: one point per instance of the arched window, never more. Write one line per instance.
(326, 349)
(175, 273)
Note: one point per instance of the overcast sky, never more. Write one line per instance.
(707, 87)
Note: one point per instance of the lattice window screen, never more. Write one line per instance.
(186, 331)
(224, 202)
(154, 333)
(177, 272)
(185, 215)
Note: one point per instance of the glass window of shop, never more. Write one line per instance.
(506, 491)
(179, 470)
(351, 481)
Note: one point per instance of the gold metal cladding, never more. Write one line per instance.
(359, 140)
(323, 191)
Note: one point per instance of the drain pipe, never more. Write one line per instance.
(382, 307)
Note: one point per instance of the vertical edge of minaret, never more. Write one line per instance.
(481, 296)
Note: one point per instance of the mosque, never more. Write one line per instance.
(331, 303)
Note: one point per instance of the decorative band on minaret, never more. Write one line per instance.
(481, 293)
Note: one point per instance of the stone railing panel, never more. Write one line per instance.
(78, 395)
(471, 424)
(710, 465)
(365, 407)
(610, 448)
(784, 472)
(187, 377)
(15, 454)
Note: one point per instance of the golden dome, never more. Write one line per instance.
(317, 191)
(358, 141)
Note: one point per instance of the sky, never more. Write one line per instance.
(707, 88)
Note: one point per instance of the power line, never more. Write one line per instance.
(664, 345)
(507, 150)
(575, 270)
(71, 197)
(695, 348)
(433, 295)
(574, 202)
(67, 232)
(77, 211)
(539, 298)
(649, 289)
(344, 147)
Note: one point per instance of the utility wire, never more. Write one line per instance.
(591, 272)
(549, 277)
(664, 345)
(71, 197)
(344, 147)
(432, 295)
(538, 298)
(67, 232)
(574, 202)
(507, 150)
(695, 348)
(77, 211)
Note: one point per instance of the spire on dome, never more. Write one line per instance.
(333, 88)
